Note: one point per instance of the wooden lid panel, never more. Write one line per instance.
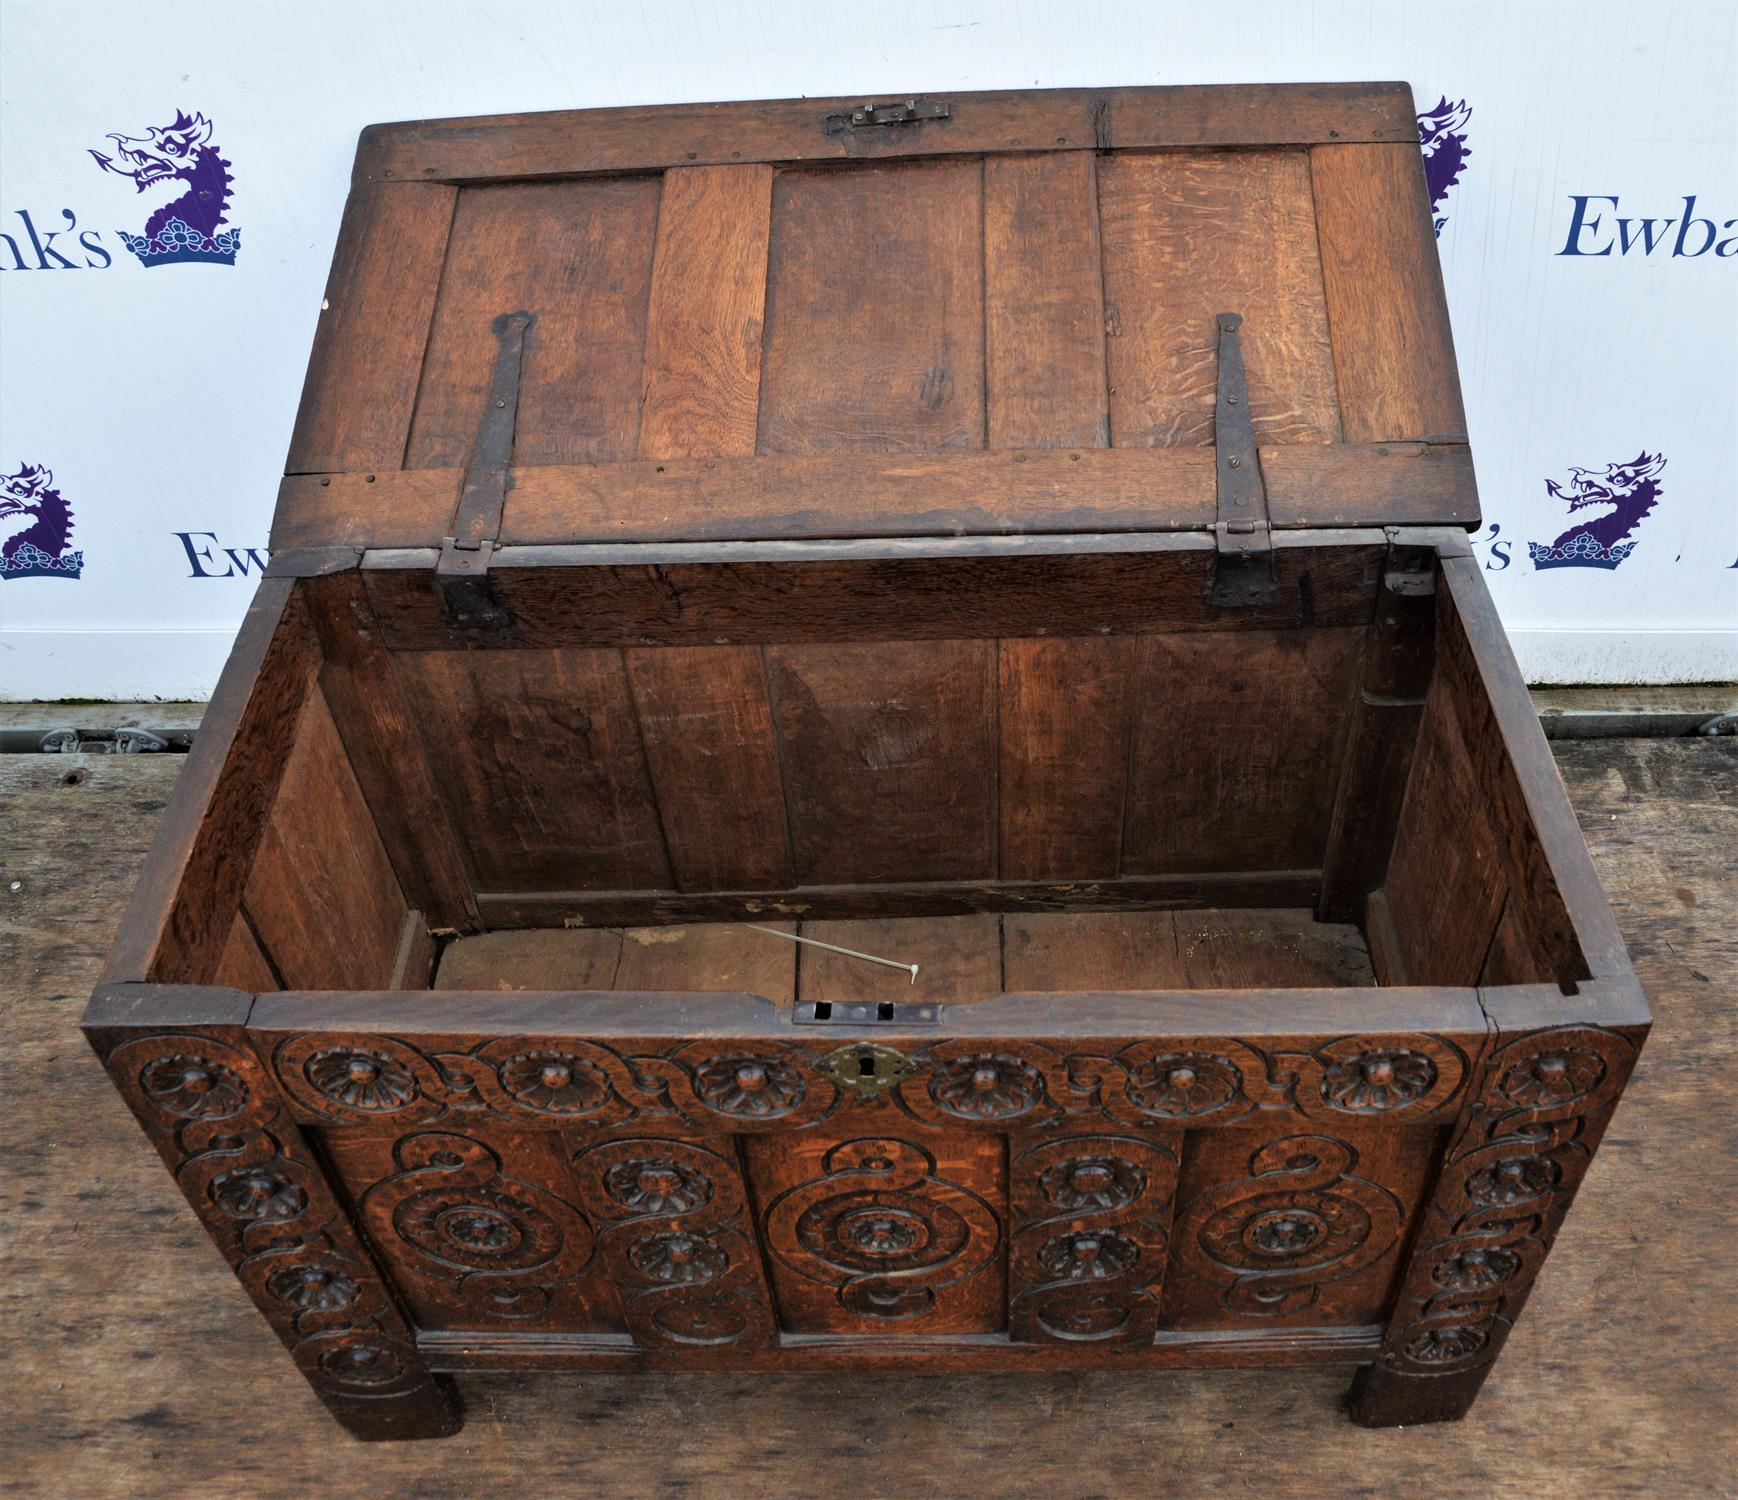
(1188, 235)
(914, 347)
(579, 255)
(875, 311)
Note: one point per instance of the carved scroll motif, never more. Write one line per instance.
(1300, 1219)
(882, 1229)
(215, 1117)
(675, 1237)
(1503, 1192)
(502, 1244)
(554, 1083)
(1003, 1085)
(1087, 1258)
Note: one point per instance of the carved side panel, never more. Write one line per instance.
(1091, 1216)
(676, 1239)
(213, 1114)
(1508, 1181)
(883, 1234)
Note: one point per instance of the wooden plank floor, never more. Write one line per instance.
(961, 960)
(133, 1367)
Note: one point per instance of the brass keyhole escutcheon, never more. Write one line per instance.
(865, 1068)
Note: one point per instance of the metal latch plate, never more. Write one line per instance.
(864, 1068)
(907, 113)
(865, 1013)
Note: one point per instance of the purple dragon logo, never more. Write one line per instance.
(1626, 491)
(1441, 133)
(35, 527)
(185, 229)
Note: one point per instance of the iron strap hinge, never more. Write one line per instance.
(1242, 535)
(464, 561)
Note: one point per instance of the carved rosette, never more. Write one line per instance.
(556, 1083)
(676, 1241)
(1374, 1083)
(215, 1116)
(562, 1083)
(357, 1078)
(260, 1192)
(741, 1088)
(1187, 1081)
(1301, 1218)
(1182, 1085)
(1087, 1258)
(882, 1229)
(749, 1086)
(1502, 1193)
(502, 1245)
(194, 1087)
(986, 1086)
(1396, 1076)
(1091, 1184)
(656, 1185)
(362, 1079)
(1476, 1268)
(1552, 1077)
(313, 1288)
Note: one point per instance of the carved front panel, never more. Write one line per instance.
(1091, 1216)
(1292, 1227)
(479, 1230)
(883, 1234)
(676, 1239)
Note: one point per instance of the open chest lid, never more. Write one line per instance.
(1075, 311)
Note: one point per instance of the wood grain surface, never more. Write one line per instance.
(137, 1369)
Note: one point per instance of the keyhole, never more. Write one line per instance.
(866, 1066)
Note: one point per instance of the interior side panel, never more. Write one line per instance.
(321, 898)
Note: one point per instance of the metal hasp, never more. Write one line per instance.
(908, 113)
(1243, 542)
(464, 561)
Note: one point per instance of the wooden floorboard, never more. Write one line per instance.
(134, 1367)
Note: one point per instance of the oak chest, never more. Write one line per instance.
(872, 742)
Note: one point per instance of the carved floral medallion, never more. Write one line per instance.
(1179, 1085)
(749, 1087)
(194, 1087)
(360, 1079)
(986, 1086)
(555, 1082)
(1372, 1083)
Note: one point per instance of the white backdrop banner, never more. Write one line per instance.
(171, 177)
